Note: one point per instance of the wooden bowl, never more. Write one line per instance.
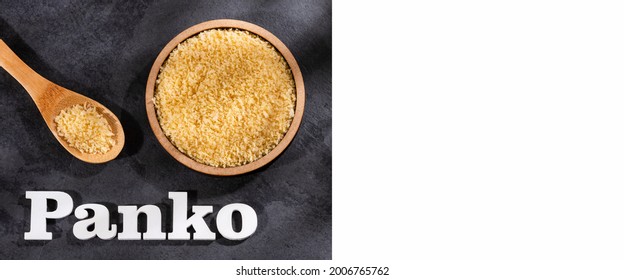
(186, 160)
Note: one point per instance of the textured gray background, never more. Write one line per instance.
(104, 50)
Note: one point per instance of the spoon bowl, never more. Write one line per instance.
(51, 99)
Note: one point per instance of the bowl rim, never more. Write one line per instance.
(183, 158)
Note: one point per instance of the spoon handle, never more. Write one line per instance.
(34, 84)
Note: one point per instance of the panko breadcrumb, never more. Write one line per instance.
(225, 97)
(83, 128)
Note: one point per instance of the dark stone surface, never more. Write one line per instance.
(104, 50)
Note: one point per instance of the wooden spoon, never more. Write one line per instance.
(51, 99)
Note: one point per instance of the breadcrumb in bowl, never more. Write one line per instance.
(225, 97)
